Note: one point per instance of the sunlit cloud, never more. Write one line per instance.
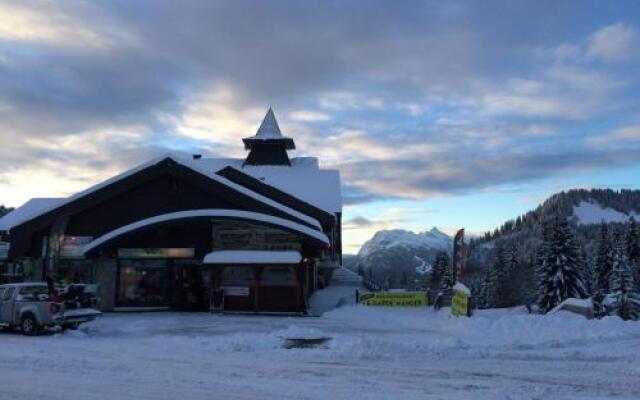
(45, 23)
(410, 101)
(309, 116)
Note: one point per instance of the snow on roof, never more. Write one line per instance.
(41, 207)
(249, 215)
(27, 211)
(303, 179)
(252, 257)
(196, 166)
(269, 128)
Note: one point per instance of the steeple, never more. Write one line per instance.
(268, 146)
(269, 128)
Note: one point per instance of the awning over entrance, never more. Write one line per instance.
(252, 257)
(308, 232)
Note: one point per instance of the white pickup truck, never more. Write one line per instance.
(27, 305)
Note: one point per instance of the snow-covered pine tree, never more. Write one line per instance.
(446, 282)
(623, 291)
(604, 262)
(438, 268)
(496, 279)
(483, 301)
(633, 248)
(559, 270)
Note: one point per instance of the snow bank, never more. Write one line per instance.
(374, 353)
(330, 298)
(418, 330)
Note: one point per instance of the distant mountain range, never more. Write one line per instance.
(399, 256)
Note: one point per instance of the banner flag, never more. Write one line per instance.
(459, 254)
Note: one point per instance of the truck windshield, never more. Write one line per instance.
(34, 293)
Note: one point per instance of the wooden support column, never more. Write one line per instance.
(216, 277)
(257, 273)
(298, 274)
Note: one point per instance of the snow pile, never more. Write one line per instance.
(591, 212)
(420, 330)
(331, 298)
(386, 239)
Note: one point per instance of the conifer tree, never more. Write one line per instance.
(496, 279)
(633, 248)
(625, 295)
(604, 262)
(447, 281)
(559, 269)
(438, 269)
(483, 301)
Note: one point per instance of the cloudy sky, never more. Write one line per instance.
(436, 113)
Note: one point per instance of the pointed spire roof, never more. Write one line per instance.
(269, 129)
(269, 133)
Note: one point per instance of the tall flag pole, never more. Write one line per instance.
(459, 254)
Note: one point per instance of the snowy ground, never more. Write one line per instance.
(375, 354)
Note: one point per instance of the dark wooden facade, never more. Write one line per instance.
(161, 188)
(149, 261)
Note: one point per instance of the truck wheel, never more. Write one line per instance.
(29, 325)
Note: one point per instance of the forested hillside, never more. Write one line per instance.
(504, 266)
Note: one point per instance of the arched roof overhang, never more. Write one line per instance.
(311, 234)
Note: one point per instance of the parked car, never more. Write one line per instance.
(30, 307)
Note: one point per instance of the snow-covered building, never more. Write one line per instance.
(172, 231)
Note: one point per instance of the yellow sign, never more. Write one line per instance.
(390, 299)
(460, 304)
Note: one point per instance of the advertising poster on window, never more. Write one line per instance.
(71, 246)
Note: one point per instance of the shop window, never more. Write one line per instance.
(278, 276)
(11, 272)
(143, 283)
(237, 276)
